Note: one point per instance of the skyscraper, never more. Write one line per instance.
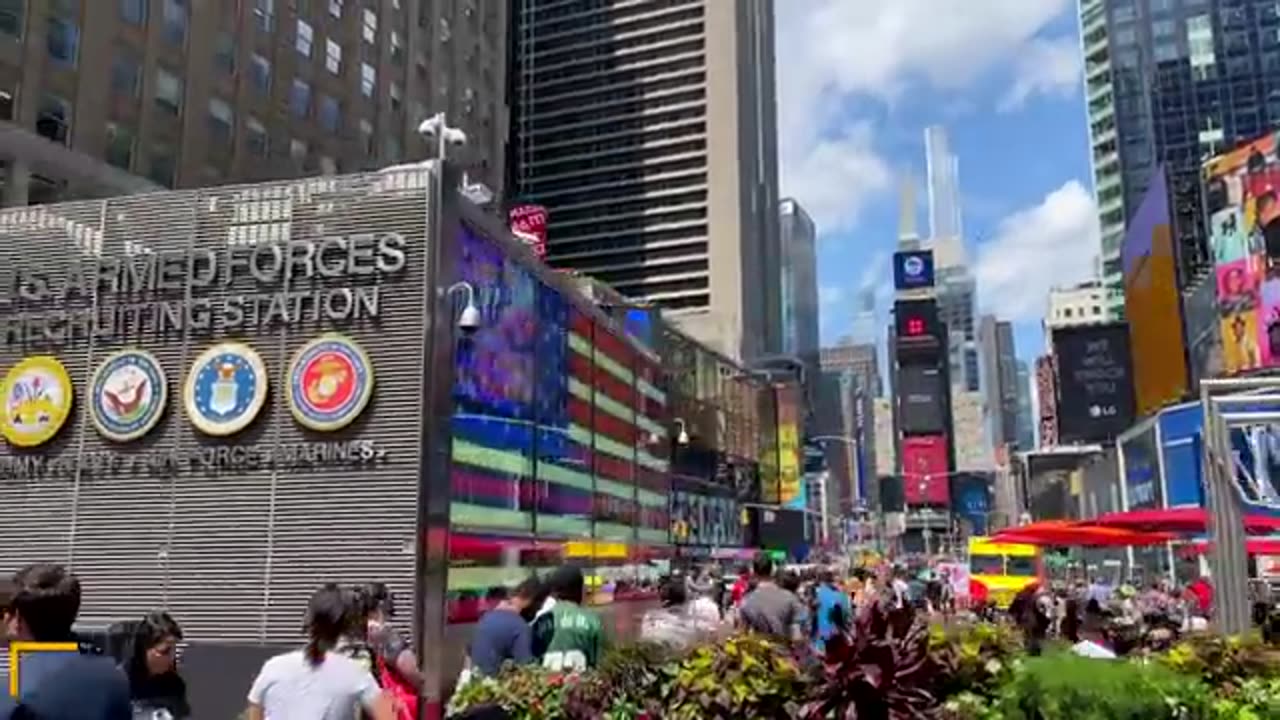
(197, 93)
(943, 171)
(1026, 416)
(865, 327)
(999, 379)
(799, 283)
(1173, 83)
(850, 384)
(647, 128)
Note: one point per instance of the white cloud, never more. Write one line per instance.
(1050, 67)
(830, 295)
(873, 273)
(834, 54)
(1052, 243)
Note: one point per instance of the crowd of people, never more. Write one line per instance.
(357, 662)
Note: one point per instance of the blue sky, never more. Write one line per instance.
(859, 80)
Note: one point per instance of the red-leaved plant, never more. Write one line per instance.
(878, 670)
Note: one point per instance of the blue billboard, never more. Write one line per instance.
(913, 269)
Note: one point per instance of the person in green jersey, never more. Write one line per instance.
(569, 637)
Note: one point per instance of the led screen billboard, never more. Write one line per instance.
(1152, 304)
(790, 487)
(1242, 201)
(921, 400)
(1095, 388)
(925, 467)
(913, 269)
(972, 495)
(1047, 401)
(1138, 453)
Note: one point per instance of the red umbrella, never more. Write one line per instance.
(1183, 520)
(1079, 534)
(1254, 546)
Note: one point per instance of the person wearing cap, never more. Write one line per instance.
(569, 637)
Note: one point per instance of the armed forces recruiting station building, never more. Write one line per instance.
(216, 400)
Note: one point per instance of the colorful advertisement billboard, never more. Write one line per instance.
(1138, 453)
(925, 470)
(972, 502)
(1242, 201)
(1047, 397)
(790, 487)
(1152, 304)
(1095, 387)
(529, 225)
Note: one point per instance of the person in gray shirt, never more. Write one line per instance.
(772, 610)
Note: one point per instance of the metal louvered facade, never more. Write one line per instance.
(232, 554)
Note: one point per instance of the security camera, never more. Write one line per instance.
(469, 319)
(455, 138)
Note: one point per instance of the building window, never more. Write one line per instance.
(304, 39)
(224, 53)
(12, 15)
(133, 12)
(221, 121)
(260, 73)
(397, 99)
(330, 113)
(1066, 312)
(333, 56)
(264, 15)
(368, 79)
(163, 165)
(175, 21)
(53, 120)
(298, 151)
(370, 25)
(168, 92)
(397, 48)
(1097, 310)
(120, 146)
(300, 98)
(63, 38)
(256, 138)
(126, 75)
(366, 137)
(335, 8)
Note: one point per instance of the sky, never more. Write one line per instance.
(860, 80)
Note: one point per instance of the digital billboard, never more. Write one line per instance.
(790, 487)
(1242, 201)
(1047, 401)
(925, 470)
(1095, 389)
(913, 269)
(921, 400)
(972, 500)
(1152, 303)
(1139, 457)
(916, 320)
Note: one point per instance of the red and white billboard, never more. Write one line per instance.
(925, 479)
(529, 225)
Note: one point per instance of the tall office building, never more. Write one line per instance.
(1173, 83)
(999, 379)
(943, 170)
(647, 128)
(195, 93)
(799, 282)
(845, 408)
(1026, 416)
(956, 291)
(865, 326)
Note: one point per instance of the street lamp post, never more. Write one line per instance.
(431, 576)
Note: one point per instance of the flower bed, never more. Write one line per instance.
(892, 666)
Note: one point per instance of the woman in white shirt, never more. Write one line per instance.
(315, 683)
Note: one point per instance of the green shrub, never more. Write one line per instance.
(972, 658)
(745, 676)
(1223, 662)
(1069, 687)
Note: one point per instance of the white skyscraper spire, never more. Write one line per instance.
(943, 171)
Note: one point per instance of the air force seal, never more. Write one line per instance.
(37, 400)
(128, 395)
(329, 383)
(226, 389)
